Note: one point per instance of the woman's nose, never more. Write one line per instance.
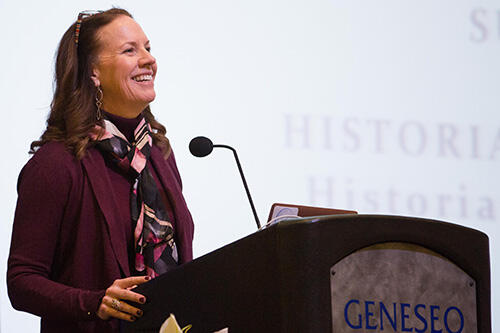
(146, 59)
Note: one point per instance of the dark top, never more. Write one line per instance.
(69, 238)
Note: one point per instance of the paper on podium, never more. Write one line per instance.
(170, 326)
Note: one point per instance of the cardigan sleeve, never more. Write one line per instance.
(43, 189)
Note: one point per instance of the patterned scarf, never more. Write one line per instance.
(155, 248)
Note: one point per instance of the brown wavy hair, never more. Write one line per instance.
(73, 111)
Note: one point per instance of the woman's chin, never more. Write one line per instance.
(146, 100)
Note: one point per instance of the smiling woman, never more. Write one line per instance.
(100, 206)
(125, 68)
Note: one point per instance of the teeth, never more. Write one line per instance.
(141, 78)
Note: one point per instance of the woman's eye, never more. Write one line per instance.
(130, 50)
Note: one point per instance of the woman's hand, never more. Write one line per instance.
(111, 304)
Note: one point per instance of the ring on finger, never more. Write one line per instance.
(115, 304)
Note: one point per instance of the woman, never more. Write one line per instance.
(100, 208)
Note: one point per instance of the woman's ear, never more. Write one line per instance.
(95, 77)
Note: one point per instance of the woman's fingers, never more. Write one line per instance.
(121, 306)
(121, 315)
(131, 281)
(127, 295)
(114, 303)
(119, 289)
(106, 310)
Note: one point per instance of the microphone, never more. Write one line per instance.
(202, 146)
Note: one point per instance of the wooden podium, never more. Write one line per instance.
(282, 279)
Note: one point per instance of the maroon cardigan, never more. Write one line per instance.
(67, 244)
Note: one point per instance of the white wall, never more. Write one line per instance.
(379, 106)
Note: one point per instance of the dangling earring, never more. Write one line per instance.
(98, 102)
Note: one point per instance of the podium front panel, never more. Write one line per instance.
(402, 287)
